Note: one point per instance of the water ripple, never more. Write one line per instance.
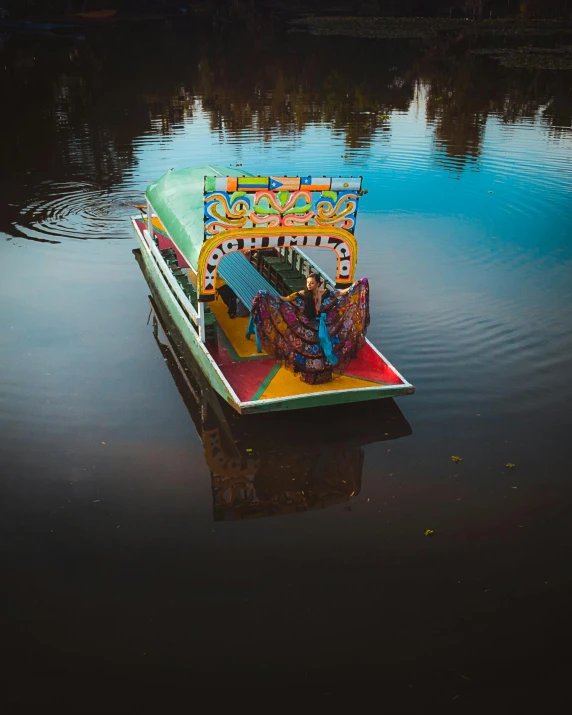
(76, 210)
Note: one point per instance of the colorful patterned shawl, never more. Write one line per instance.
(286, 333)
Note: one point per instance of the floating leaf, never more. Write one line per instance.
(510, 465)
(454, 458)
(429, 532)
(248, 449)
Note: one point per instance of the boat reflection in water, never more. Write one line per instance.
(266, 465)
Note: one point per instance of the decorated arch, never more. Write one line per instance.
(256, 212)
(216, 247)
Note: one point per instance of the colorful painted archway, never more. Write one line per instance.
(339, 240)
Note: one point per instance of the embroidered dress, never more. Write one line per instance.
(314, 348)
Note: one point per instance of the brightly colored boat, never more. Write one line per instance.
(260, 467)
(210, 231)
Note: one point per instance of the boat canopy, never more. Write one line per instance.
(178, 199)
(209, 211)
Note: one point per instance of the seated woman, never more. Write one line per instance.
(317, 331)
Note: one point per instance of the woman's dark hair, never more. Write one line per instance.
(309, 305)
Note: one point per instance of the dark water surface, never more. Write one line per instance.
(129, 549)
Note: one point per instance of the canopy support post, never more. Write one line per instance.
(201, 321)
(150, 220)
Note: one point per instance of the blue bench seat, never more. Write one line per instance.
(239, 274)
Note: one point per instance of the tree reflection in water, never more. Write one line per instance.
(79, 108)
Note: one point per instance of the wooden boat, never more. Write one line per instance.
(207, 226)
(264, 468)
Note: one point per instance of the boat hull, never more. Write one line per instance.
(226, 378)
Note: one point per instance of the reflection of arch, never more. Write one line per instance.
(336, 239)
(220, 463)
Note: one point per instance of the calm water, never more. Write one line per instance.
(122, 556)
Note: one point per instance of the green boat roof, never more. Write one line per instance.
(178, 200)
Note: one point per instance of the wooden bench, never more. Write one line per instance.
(240, 275)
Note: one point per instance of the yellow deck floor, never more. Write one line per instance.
(286, 384)
(235, 331)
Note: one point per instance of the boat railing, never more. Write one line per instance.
(196, 315)
(302, 263)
